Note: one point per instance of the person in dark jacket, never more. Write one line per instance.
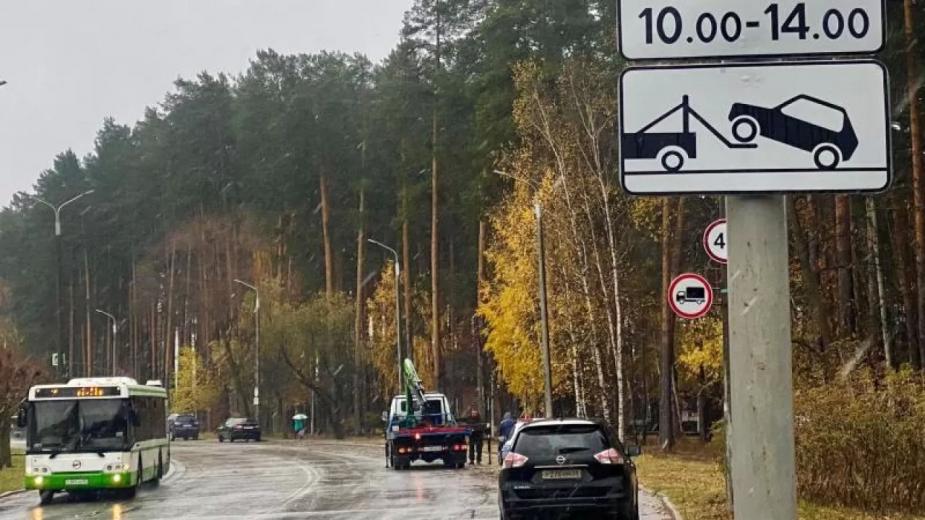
(477, 438)
(505, 431)
(506, 428)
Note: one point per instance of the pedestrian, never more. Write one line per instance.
(477, 437)
(505, 430)
(298, 425)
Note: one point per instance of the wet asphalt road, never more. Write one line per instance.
(270, 480)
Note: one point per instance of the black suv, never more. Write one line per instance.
(184, 426)
(568, 468)
(239, 428)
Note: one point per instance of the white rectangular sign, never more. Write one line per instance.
(755, 128)
(666, 29)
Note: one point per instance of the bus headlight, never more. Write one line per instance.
(117, 478)
(38, 481)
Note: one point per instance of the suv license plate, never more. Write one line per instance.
(76, 482)
(562, 474)
(429, 449)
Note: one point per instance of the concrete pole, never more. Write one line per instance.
(397, 310)
(398, 319)
(257, 357)
(115, 348)
(544, 314)
(760, 360)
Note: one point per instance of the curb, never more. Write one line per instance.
(8, 494)
(669, 505)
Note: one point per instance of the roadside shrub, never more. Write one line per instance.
(861, 442)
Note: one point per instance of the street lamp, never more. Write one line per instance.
(115, 332)
(544, 313)
(397, 305)
(256, 348)
(57, 211)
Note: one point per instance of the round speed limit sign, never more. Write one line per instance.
(716, 241)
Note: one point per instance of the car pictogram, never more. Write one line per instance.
(804, 122)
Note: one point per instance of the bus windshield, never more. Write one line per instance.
(78, 425)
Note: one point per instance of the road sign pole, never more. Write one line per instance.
(760, 362)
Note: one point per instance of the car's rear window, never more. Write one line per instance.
(186, 419)
(551, 441)
(235, 421)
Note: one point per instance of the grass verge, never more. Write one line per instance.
(693, 480)
(11, 478)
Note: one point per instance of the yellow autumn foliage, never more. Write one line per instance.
(510, 311)
(701, 345)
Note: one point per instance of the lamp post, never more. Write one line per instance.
(544, 314)
(397, 305)
(57, 210)
(115, 332)
(256, 348)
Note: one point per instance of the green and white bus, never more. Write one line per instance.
(95, 433)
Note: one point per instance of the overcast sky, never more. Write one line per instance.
(71, 63)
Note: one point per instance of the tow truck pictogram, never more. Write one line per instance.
(672, 149)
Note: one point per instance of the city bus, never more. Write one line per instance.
(94, 434)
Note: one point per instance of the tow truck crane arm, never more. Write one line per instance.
(414, 388)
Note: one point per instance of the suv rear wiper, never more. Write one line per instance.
(573, 449)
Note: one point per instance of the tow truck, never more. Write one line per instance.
(673, 149)
(420, 426)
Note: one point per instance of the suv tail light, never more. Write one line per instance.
(514, 460)
(610, 456)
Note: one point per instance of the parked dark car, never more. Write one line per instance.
(184, 426)
(810, 124)
(239, 428)
(568, 467)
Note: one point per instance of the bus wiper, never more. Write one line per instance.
(54, 454)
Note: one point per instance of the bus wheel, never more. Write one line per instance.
(46, 496)
(141, 473)
(160, 470)
(128, 493)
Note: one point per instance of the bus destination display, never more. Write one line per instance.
(81, 391)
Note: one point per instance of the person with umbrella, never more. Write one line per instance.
(298, 425)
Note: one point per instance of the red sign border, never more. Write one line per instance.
(706, 244)
(681, 314)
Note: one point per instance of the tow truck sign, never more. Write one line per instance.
(755, 128)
